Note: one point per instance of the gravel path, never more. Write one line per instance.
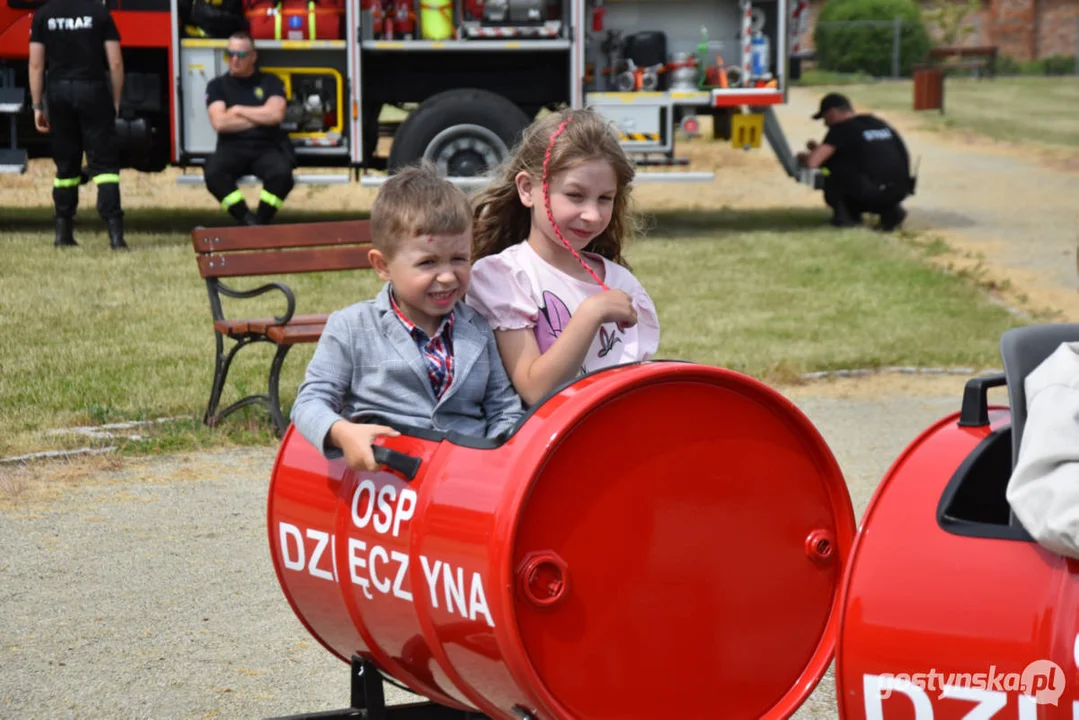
(149, 591)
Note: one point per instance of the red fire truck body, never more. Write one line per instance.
(453, 81)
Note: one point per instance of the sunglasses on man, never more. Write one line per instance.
(238, 54)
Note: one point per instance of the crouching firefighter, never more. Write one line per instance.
(246, 107)
(76, 40)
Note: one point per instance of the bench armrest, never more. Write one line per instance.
(244, 294)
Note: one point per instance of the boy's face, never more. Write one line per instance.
(429, 274)
(582, 201)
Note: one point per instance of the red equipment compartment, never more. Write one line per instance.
(941, 590)
(295, 19)
(661, 514)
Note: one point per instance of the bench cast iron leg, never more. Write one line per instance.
(280, 424)
(221, 370)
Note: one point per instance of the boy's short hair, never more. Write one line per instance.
(416, 201)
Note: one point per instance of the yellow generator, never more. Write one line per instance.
(315, 115)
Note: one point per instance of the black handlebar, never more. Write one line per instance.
(975, 409)
(406, 465)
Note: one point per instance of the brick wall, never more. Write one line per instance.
(1011, 26)
(1022, 29)
(1058, 28)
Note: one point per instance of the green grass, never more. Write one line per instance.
(1040, 110)
(89, 336)
(812, 77)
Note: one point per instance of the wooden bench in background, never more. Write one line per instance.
(237, 252)
(980, 58)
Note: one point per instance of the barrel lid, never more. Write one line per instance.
(680, 553)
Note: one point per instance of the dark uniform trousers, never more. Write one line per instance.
(269, 163)
(852, 194)
(82, 117)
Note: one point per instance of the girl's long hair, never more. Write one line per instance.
(500, 220)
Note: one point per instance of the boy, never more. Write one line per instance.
(415, 354)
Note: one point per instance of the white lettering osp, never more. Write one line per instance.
(393, 507)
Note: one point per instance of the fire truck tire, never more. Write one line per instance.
(464, 132)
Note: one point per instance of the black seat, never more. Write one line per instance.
(1022, 350)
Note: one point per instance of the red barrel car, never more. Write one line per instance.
(654, 539)
(949, 609)
(673, 540)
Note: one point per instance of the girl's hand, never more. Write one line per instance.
(611, 306)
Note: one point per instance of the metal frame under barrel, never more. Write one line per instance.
(368, 702)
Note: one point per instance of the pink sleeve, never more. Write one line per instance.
(647, 323)
(647, 317)
(501, 293)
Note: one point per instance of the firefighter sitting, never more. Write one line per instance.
(246, 107)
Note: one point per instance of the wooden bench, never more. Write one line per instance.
(237, 252)
(984, 57)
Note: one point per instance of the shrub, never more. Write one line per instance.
(869, 48)
(1052, 65)
(1059, 65)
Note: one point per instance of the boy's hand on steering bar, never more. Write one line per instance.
(355, 441)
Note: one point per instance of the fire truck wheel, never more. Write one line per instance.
(465, 133)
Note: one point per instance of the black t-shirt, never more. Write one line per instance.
(867, 146)
(253, 90)
(74, 34)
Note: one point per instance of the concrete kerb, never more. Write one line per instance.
(93, 432)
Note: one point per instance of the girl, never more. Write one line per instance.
(549, 275)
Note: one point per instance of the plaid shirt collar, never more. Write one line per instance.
(444, 330)
(437, 352)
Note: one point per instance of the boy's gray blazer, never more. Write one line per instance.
(367, 362)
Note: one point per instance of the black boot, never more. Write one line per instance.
(266, 213)
(242, 213)
(892, 218)
(65, 236)
(116, 233)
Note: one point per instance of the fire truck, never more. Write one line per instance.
(452, 81)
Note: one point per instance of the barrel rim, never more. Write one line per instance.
(477, 442)
(573, 410)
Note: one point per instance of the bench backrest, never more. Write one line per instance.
(277, 249)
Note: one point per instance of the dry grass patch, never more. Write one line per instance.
(30, 487)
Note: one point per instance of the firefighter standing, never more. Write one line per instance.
(77, 40)
(246, 107)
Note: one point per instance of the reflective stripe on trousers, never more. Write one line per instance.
(271, 199)
(231, 199)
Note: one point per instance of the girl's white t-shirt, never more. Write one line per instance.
(518, 289)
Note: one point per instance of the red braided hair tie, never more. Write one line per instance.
(547, 205)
